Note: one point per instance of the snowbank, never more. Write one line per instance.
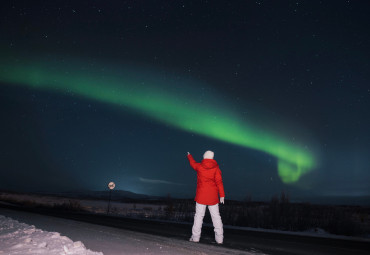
(20, 238)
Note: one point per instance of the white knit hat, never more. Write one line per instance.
(209, 155)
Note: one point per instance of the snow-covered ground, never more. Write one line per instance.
(21, 238)
(27, 233)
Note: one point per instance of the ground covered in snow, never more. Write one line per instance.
(27, 233)
(21, 238)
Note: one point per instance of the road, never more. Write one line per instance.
(242, 240)
(94, 237)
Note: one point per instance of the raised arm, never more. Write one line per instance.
(192, 162)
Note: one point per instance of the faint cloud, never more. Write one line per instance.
(158, 181)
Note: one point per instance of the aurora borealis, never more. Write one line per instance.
(162, 106)
(93, 92)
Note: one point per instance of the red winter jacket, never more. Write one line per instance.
(209, 181)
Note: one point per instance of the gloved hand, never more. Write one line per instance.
(222, 200)
(188, 153)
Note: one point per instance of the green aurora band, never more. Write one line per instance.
(127, 89)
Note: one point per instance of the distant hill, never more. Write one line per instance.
(115, 195)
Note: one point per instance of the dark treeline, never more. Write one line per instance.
(281, 214)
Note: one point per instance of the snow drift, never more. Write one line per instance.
(24, 239)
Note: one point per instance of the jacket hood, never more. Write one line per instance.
(209, 163)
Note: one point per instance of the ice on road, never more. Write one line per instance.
(44, 234)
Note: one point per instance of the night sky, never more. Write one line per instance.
(100, 91)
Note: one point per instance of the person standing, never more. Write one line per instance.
(209, 188)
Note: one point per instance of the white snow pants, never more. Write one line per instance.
(200, 210)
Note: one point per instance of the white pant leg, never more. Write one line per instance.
(200, 210)
(217, 223)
